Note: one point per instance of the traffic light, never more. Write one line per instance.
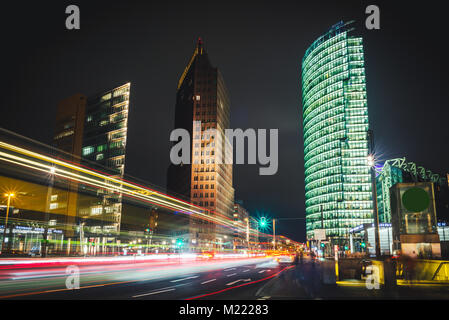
(263, 222)
(179, 242)
(322, 245)
(363, 244)
(346, 248)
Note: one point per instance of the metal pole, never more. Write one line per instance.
(376, 213)
(47, 213)
(247, 233)
(6, 222)
(274, 234)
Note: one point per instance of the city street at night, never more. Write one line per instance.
(223, 159)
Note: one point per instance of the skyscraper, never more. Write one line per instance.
(336, 142)
(202, 105)
(93, 130)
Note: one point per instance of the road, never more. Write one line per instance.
(155, 280)
(189, 279)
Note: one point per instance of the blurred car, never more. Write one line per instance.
(35, 252)
(206, 255)
(284, 259)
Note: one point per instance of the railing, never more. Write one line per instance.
(443, 266)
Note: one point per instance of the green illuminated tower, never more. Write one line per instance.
(336, 143)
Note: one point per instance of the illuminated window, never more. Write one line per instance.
(88, 150)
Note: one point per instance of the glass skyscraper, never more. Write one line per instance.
(336, 142)
(93, 130)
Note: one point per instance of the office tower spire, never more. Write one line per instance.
(202, 105)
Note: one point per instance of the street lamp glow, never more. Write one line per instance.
(370, 159)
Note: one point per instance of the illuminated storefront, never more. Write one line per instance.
(335, 123)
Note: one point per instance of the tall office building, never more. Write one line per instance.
(336, 141)
(202, 104)
(93, 130)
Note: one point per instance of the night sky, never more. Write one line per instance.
(258, 47)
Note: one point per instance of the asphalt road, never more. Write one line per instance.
(240, 279)
(229, 279)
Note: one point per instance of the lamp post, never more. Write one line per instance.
(371, 163)
(9, 195)
(247, 233)
(47, 212)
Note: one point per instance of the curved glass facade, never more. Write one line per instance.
(335, 123)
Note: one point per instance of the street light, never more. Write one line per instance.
(371, 164)
(370, 159)
(52, 171)
(9, 195)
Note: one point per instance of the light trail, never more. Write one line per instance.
(110, 275)
(110, 183)
(94, 178)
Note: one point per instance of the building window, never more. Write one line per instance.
(88, 150)
(101, 148)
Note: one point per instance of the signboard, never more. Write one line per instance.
(319, 234)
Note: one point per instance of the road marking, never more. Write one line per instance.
(264, 298)
(208, 281)
(229, 269)
(232, 274)
(246, 270)
(240, 285)
(155, 292)
(193, 277)
(262, 271)
(234, 282)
